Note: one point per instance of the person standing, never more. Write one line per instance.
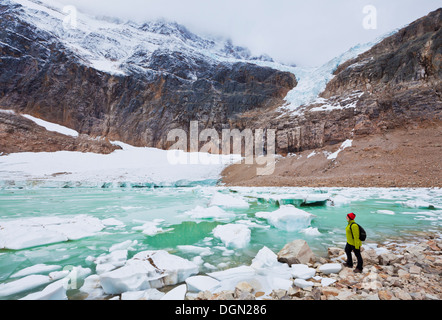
(353, 243)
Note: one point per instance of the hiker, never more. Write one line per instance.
(353, 243)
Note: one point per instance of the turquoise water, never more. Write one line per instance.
(405, 213)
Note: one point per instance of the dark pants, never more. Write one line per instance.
(348, 249)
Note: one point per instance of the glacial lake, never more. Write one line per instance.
(181, 220)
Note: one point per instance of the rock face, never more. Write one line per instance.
(18, 134)
(296, 252)
(397, 83)
(142, 95)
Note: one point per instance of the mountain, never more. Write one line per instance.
(385, 104)
(394, 83)
(126, 81)
(135, 82)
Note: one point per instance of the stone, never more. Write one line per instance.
(385, 295)
(296, 252)
(415, 270)
(335, 252)
(223, 295)
(388, 258)
(402, 295)
(243, 289)
(327, 291)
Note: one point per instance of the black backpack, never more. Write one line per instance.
(362, 233)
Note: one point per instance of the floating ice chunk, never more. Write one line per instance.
(136, 275)
(311, 231)
(340, 200)
(385, 212)
(206, 251)
(17, 236)
(36, 269)
(213, 212)
(126, 245)
(287, 218)
(418, 204)
(26, 233)
(149, 294)
(302, 271)
(201, 283)
(92, 287)
(226, 200)
(329, 268)
(151, 228)
(108, 262)
(316, 197)
(174, 268)
(54, 291)
(112, 222)
(241, 272)
(23, 284)
(81, 226)
(301, 283)
(233, 235)
(179, 293)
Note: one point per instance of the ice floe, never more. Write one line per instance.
(227, 200)
(30, 232)
(288, 218)
(233, 235)
(212, 212)
(148, 269)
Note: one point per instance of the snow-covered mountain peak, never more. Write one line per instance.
(121, 47)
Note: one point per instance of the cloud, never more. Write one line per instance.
(307, 32)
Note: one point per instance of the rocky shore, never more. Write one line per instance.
(392, 271)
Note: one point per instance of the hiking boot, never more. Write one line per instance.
(357, 270)
(346, 265)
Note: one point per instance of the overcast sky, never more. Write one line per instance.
(302, 32)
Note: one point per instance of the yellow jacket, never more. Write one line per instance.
(356, 242)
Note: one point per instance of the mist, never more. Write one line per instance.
(305, 33)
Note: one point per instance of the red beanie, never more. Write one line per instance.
(351, 216)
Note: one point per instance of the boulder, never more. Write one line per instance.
(296, 252)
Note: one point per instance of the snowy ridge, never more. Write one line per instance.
(120, 47)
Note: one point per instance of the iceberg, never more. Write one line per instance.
(212, 212)
(23, 284)
(287, 218)
(146, 270)
(229, 201)
(36, 269)
(54, 291)
(233, 235)
(31, 232)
